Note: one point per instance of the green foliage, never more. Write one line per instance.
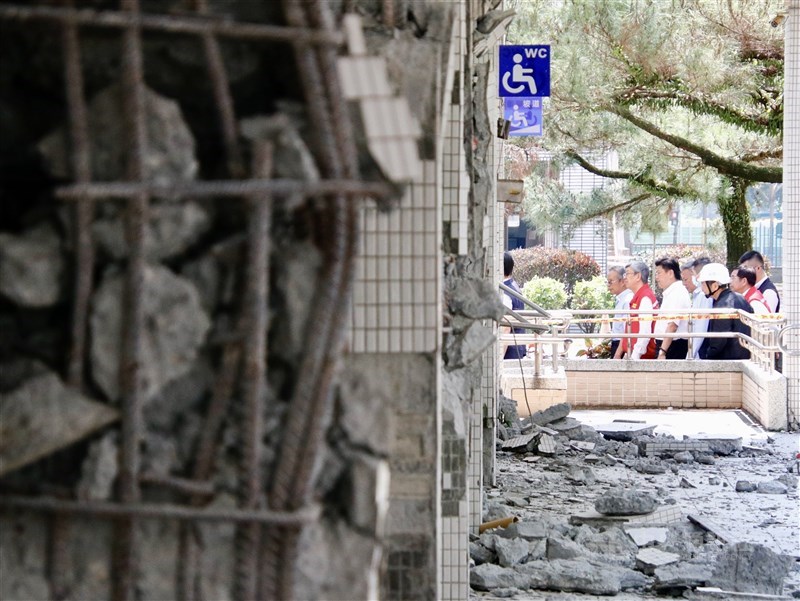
(546, 292)
(565, 266)
(591, 294)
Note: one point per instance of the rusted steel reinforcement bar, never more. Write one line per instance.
(188, 547)
(58, 543)
(81, 167)
(251, 493)
(189, 550)
(222, 97)
(182, 485)
(124, 560)
(310, 403)
(103, 509)
(218, 26)
(278, 187)
(58, 566)
(388, 13)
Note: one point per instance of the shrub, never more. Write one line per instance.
(566, 266)
(546, 292)
(591, 294)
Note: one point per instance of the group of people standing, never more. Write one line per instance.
(698, 284)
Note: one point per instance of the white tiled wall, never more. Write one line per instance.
(396, 300)
(790, 303)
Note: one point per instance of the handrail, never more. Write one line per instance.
(766, 337)
(527, 301)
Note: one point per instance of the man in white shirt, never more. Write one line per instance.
(699, 302)
(676, 298)
(616, 286)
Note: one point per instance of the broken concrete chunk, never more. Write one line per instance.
(684, 457)
(169, 156)
(527, 530)
(43, 416)
(489, 576)
(649, 559)
(481, 554)
(711, 526)
(511, 552)
(610, 543)
(644, 466)
(624, 431)
(644, 537)
(772, 487)
(547, 445)
(745, 486)
(721, 444)
(675, 578)
(520, 442)
(669, 446)
(551, 414)
(99, 469)
(572, 575)
(625, 502)
(31, 267)
(175, 328)
(582, 446)
(566, 426)
(581, 475)
(563, 548)
(171, 229)
(750, 568)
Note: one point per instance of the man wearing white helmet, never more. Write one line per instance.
(715, 280)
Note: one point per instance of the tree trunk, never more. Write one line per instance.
(735, 214)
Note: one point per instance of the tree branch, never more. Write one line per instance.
(612, 209)
(661, 188)
(724, 165)
(701, 106)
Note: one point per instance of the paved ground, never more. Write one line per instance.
(771, 520)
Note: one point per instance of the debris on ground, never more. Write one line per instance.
(624, 511)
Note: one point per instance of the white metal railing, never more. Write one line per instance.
(764, 341)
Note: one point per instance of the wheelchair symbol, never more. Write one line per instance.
(519, 75)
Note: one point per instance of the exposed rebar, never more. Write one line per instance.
(217, 26)
(104, 509)
(188, 548)
(125, 552)
(81, 166)
(222, 95)
(248, 536)
(309, 405)
(279, 188)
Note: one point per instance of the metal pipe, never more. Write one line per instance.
(524, 299)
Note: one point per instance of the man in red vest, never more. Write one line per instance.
(636, 275)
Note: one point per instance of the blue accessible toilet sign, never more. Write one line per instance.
(524, 71)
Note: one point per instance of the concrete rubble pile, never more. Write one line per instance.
(617, 528)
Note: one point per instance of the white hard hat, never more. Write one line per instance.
(714, 272)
